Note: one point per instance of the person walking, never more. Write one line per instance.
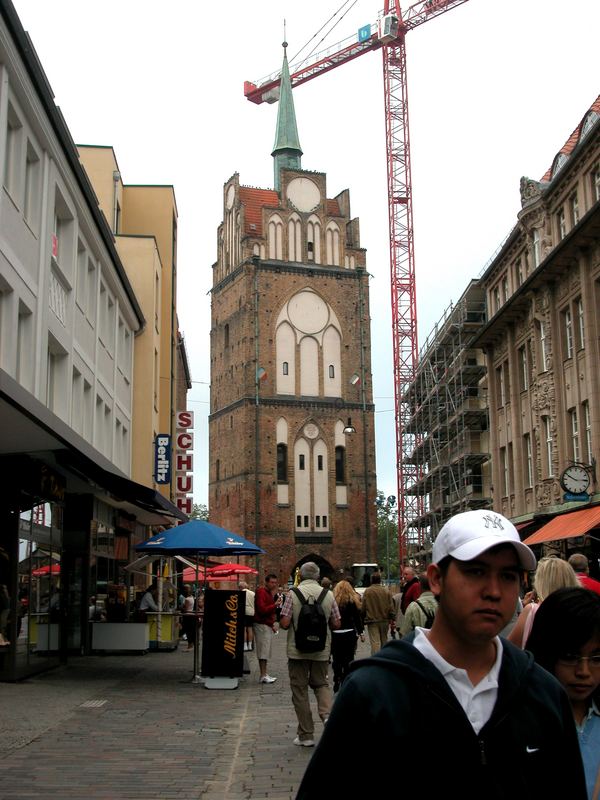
(248, 615)
(581, 565)
(264, 625)
(411, 588)
(309, 669)
(188, 616)
(552, 573)
(420, 613)
(344, 639)
(565, 640)
(472, 710)
(377, 612)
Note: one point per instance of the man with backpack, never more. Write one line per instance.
(309, 613)
(420, 613)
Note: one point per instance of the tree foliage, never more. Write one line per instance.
(199, 511)
(387, 534)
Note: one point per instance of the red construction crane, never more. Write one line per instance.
(388, 34)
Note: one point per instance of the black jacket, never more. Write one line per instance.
(396, 715)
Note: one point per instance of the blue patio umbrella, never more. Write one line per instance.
(198, 538)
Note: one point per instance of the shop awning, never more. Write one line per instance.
(135, 497)
(566, 526)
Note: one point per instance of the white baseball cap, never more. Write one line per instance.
(465, 536)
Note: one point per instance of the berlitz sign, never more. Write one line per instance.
(162, 458)
(184, 461)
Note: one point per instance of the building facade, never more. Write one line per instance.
(144, 224)
(69, 315)
(292, 453)
(542, 342)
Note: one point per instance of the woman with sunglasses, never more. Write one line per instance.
(565, 640)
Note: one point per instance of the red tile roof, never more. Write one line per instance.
(254, 201)
(571, 142)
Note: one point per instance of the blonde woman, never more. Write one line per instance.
(552, 573)
(343, 640)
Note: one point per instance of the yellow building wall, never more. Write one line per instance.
(142, 261)
(152, 209)
(100, 163)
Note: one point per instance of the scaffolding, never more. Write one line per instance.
(449, 422)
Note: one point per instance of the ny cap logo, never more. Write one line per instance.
(493, 522)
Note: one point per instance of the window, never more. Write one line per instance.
(340, 464)
(313, 240)
(543, 346)
(528, 461)
(24, 373)
(504, 289)
(501, 387)
(587, 421)
(298, 521)
(519, 271)
(568, 325)
(496, 299)
(596, 182)
(331, 371)
(301, 461)
(317, 521)
(320, 463)
(64, 234)
(12, 154)
(574, 206)
(505, 471)
(226, 335)
(547, 430)
(282, 463)
(285, 368)
(574, 434)
(580, 324)
(562, 223)
(306, 520)
(523, 369)
(536, 251)
(324, 520)
(332, 244)
(31, 204)
(218, 469)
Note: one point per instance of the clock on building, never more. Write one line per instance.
(575, 479)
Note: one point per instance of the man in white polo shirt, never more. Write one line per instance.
(461, 710)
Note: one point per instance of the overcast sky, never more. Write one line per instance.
(495, 89)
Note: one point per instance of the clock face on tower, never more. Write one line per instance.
(575, 479)
(303, 194)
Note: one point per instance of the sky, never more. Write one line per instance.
(495, 87)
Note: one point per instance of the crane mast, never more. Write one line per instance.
(388, 34)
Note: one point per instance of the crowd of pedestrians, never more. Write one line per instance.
(496, 717)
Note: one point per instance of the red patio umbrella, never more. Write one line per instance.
(227, 570)
(53, 569)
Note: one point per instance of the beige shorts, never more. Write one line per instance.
(263, 638)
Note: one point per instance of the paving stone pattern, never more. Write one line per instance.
(157, 736)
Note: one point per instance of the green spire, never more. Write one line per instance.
(286, 150)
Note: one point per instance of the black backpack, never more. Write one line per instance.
(311, 630)
(429, 615)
